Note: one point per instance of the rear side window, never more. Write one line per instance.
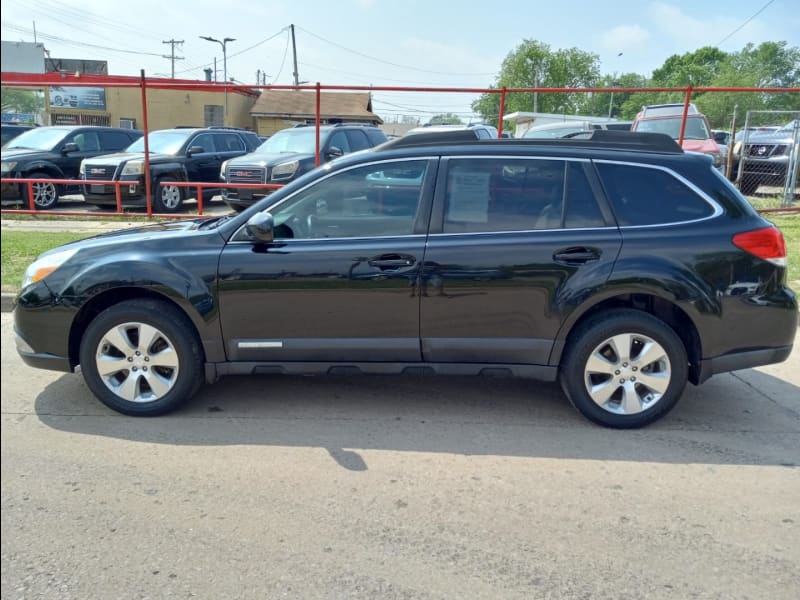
(357, 139)
(503, 194)
(646, 196)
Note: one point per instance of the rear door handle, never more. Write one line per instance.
(577, 255)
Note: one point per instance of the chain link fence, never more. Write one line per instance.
(767, 155)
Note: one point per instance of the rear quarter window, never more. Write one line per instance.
(642, 195)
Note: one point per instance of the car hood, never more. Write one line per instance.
(769, 137)
(123, 157)
(25, 153)
(269, 159)
(134, 235)
(703, 146)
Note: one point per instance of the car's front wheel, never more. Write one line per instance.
(45, 194)
(141, 357)
(168, 198)
(624, 369)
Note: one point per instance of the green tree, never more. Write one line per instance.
(534, 64)
(445, 119)
(22, 101)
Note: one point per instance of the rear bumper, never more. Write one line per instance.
(736, 361)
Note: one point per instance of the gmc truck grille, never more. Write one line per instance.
(100, 172)
(245, 175)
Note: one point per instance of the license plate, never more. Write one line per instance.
(96, 188)
(245, 194)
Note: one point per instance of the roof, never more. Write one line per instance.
(293, 104)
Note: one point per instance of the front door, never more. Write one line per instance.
(339, 282)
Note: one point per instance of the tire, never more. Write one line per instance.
(619, 391)
(45, 195)
(168, 198)
(748, 185)
(138, 377)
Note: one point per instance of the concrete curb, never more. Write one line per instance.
(7, 302)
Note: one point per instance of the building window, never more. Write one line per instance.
(127, 123)
(214, 115)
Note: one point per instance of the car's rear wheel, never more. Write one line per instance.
(45, 195)
(167, 198)
(141, 357)
(624, 369)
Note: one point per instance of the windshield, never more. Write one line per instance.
(161, 142)
(301, 140)
(42, 138)
(696, 128)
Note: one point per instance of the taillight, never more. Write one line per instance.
(766, 243)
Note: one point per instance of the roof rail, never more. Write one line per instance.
(600, 138)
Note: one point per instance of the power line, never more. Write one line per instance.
(386, 62)
(55, 38)
(732, 33)
(264, 41)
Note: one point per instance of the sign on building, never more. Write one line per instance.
(78, 97)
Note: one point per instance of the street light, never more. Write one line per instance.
(224, 44)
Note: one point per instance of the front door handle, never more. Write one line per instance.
(392, 261)
(576, 255)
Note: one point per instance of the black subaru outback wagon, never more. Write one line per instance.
(618, 265)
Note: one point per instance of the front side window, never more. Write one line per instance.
(370, 201)
(642, 195)
(204, 141)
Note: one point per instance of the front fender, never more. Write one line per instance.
(41, 165)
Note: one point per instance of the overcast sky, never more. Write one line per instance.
(383, 42)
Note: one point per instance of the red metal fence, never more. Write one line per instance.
(79, 80)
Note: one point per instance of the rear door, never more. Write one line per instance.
(516, 243)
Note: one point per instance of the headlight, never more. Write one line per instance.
(717, 159)
(222, 169)
(133, 167)
(737, 147)
(42, 267)
(7, 166)
(82, 170)
(285, 170)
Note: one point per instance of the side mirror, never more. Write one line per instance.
(261, 227)
(70, 147)
(334, 152)
(195, 150)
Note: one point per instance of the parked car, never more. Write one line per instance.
(666, 118)
(290, 153)
(184, 154)
(766, 156)
(56, 153)
(482, 130)
(571, 129)
(620, 265)
(11, 130)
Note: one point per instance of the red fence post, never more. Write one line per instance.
(500, 114)
(148, 195)
(685, 112)
(31, 205)
(118, 195)
(319, 118)
(199, 198)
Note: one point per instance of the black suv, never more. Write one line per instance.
(291, 152)
(619, 265)
(183, 154)
(56, 153)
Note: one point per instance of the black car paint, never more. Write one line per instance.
(467, 303)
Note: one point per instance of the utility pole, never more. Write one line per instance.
(172, 57)
(294, 55)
